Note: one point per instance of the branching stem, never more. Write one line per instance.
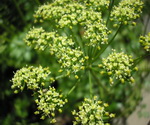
(139, 59)
(72, 89)
(98, 82)
(105, 47)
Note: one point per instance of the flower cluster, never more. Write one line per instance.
(127, 10)
(49, 101)
(37, 37)
(92, 112)
(96, 5)
(77, 32)
(32, 77)
(70, 58)
(118, 66)
(77, 14)
(145, 41)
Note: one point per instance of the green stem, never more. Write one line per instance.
(19, 11)
(90, 53)
(61, 76)
(98, 82)
(90, 82)
(139, 59)
(71, 90)
(78, 40)
(111, 5)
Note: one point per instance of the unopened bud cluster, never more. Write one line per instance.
(92, 112)
(145, 41)
(126, 11)
(49, 101)
(32, 77)
(118, 66)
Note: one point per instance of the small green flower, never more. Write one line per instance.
(145, 41)
(32, 77)
(49, 101)
(126, 11)
(96, 5)
(70, 58)
(91, 112)
(118, 66)
(77, 13)
(66, 47)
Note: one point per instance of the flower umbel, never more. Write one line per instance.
(126, 11)
(77, 14)
(118, 66)
(92, 112)
(32, 77)
(62, 47)
(49, 101)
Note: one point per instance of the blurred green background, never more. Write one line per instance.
(16, 18)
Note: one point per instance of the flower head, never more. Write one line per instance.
(126, 11)
(91, 112)
(32, 77)
(118, 66)
(49, 101)
(62, 47)
(80, 14)
(96, 5)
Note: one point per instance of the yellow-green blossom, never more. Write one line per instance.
(77, 14)
(70, 58)
(96, 5)
(118, 66)
(49, 101)
(91, 112)
(145, 41)
(126, 11)
(32, 77)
